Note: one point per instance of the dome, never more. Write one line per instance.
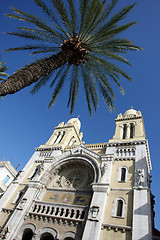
(75, 122)
(131, 111)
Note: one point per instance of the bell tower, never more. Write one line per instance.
(66, 134)
(129, 126)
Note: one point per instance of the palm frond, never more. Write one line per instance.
(62, 12)
(51, 15)
(42, 82)
(73, 15)
(111, 24)
(102, 16)
(37, 21)
(92, 12)
(53, 36)
(58, 75)
(3, 68)
(59, 85)
(109, 67)
(87, 90)
(73, 92)
(103, 79)
(107, 95)
(83, 11)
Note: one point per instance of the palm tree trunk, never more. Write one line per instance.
(31, 73)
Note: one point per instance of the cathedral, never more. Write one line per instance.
(72, 190)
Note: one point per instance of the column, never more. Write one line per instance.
(128, 131)
(121, 132)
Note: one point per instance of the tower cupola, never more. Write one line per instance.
(129, 126)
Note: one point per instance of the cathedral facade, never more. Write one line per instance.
(72, 190)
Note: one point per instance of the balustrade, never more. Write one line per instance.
(125, 152)
(58, 211)
(45, 154)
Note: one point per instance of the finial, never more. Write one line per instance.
(78, 116)
(131, 107)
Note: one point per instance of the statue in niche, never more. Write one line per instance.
(19, 196)
(37, 171)
(104, 169)
(140, 177)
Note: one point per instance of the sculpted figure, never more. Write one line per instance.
(37, 171)
(104, 169)
(140, 177)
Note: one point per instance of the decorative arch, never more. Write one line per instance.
(71, 158)
(28, 229)
(70, 236)
(47, 232)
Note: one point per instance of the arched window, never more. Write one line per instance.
(119, 208)
(132, 130)
(123, 174)
(47, 236)
(124, 131)
(28, 234)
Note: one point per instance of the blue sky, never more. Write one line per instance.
(26, 122)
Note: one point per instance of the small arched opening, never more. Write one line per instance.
(27, 234)
(132, 130)
(47, 236)
(124, 131)
(123, 174)
(119, 208)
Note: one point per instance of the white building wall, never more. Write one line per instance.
(6, 170)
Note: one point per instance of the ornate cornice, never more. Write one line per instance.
(116, 227)
(47, 148)
(128, 118)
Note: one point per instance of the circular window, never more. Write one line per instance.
(75, 175)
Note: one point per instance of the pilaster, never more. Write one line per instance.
(95, 217)
(21, 210)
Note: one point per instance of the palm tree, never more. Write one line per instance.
(3, 68)
(82, 41)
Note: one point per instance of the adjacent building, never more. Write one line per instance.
(72, 190)
(7, 174)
